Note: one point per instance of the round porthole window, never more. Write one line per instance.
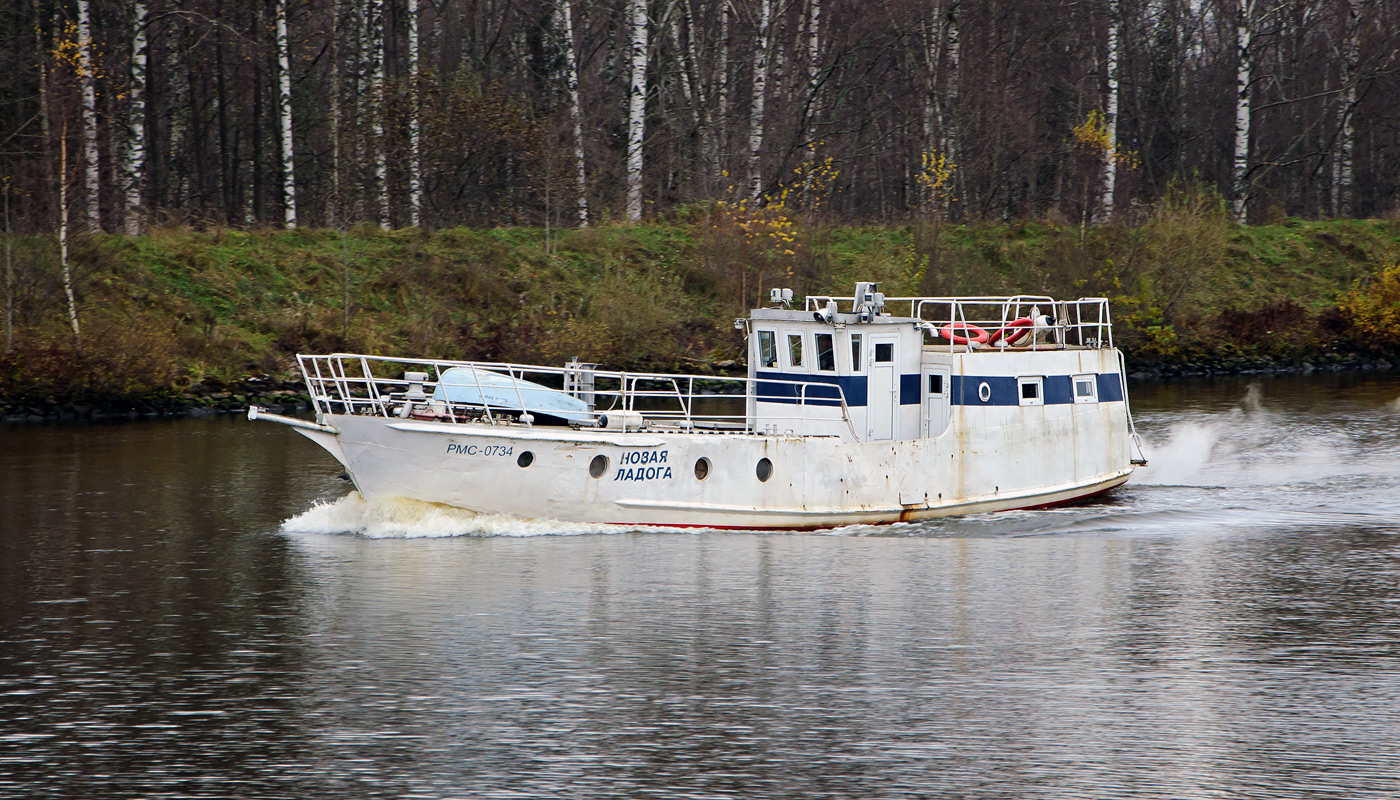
(598, 467)
(526, 459)
(984, 391)
(702, 469)
(764, 470)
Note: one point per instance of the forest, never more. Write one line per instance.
(195, 190)
(439, 113)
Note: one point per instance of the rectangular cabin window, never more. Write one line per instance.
(1086, 389)
(935, 385)
(1030, 391)
(826, 352)
(795, 349)
(767, 350)
(884, 352)
(856, 364)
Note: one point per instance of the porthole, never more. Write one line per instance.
(984, 391)
(598, 467)
(526, 459)
(764, 470)
(702, 469)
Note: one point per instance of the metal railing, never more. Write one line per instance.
(1035, 322)
(355, 384)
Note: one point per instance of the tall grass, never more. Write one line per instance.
(180, 308)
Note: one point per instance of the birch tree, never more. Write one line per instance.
(636, 108)
(722, 71)
(814, 16)
(64, 268)
(284, 118)
(760, 88)
(9, 271)
(1244, 54)
(575, 112)
(415, 166)
(376, 39)
(1110, 155)
(135, 170)
(333, 203)
(1342, 161)
(88, 80)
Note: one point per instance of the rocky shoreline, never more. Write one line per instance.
(1323, 362)
(290, 396)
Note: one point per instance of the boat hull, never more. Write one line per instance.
(651, 478)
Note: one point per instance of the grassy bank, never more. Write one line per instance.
(178, 315)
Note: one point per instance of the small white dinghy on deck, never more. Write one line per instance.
(850, 414)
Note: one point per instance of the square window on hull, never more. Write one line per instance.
(1029, 390)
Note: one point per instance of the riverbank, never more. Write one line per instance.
(183, 320)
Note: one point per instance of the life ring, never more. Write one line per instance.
(1013, 331)
(977, 334)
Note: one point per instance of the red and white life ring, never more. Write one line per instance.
(973, 333)
(1013, 331)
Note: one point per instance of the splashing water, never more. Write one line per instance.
(401, 518)
(1251, 445)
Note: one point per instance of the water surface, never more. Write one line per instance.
(193, 608)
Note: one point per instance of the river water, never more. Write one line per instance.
(195, 608)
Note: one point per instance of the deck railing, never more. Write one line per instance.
(1034, 322)
(349, 383)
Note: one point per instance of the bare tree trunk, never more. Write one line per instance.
(1110, 155)
(696, 89)
(333, 211)
(41, 47)
(575, 111)
(381, 168)
(760, 88)
(284, 117)
(136, 121)
(415, 168)
(636, 114)
(63, 237)
(1244, 37)
(947, 129)
(814, 16)
(9, 275)
(722, 71)
(1342, 163)
(89, 84)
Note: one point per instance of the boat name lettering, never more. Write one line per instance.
(642, 473)
(644, 457)
(480, 450)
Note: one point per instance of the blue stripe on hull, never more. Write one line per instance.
(822, 389)
(1057, 389)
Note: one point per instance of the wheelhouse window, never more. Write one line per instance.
(795, 349)
(935, 385)
(856, 363)
(767, 350)
(1086, 389)
(826, 352)
(884, 352)
(1029, 390)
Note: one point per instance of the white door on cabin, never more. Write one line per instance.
(936, 400)
(882, 393)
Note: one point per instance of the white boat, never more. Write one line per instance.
(855, 410)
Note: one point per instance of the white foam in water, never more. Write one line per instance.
(1183, 458)
(1249, 446)
(400, 518)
